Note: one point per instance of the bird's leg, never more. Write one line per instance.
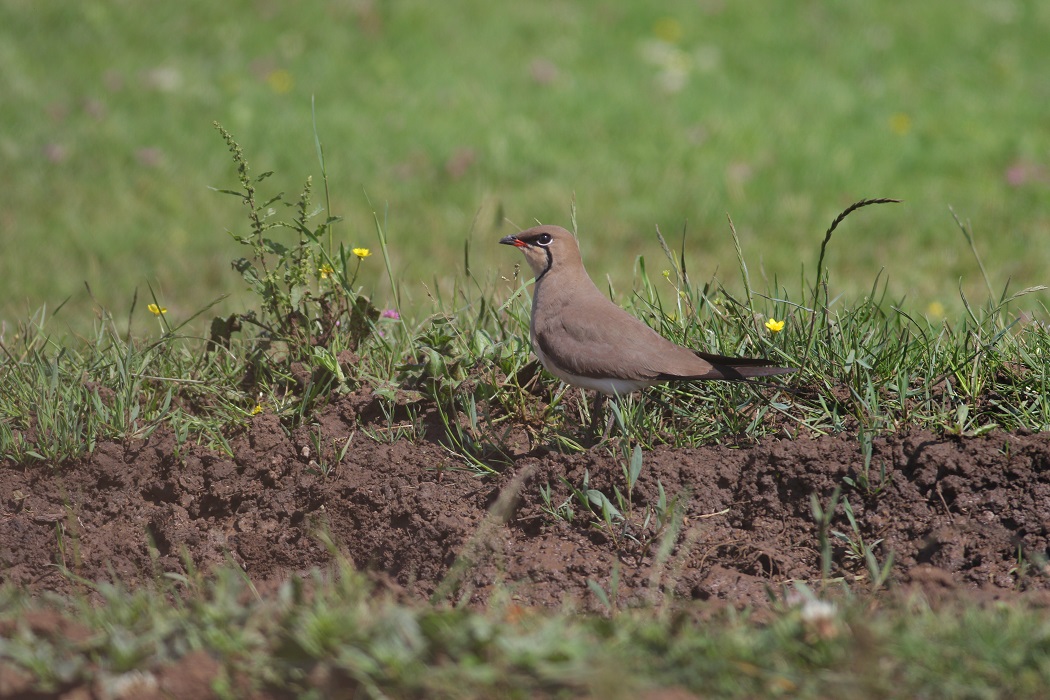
(596, 408)
(596, 416)
(599, 408)
(608, 426)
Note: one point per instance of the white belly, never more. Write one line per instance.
(610, 385)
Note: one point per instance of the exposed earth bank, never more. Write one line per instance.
(960, 515)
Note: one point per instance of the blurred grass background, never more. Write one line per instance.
(471, 118)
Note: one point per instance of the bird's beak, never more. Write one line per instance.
(514, 241)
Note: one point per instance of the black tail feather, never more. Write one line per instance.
(734, 368)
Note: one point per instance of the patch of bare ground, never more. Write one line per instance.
(963, 516)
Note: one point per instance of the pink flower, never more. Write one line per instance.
(390, 313)
(1021, 173)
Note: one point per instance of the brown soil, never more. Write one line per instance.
(960, 515)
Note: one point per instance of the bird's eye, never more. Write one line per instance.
(544, 239)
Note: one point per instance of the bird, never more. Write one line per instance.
(584, 339)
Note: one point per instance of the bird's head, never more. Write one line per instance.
(546, 248)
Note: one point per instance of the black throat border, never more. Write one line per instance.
(550, 261)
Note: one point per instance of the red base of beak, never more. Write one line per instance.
(514, 241)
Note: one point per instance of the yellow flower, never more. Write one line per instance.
(281, 81)
(257, 410)
(774, 326)
(362, 253)
(935, 308)
(157, 310)
(900, 123)
(325, 271)
(668, 29)
(666, 274)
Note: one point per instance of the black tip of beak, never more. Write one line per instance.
(509, 240)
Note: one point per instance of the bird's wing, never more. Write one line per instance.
(590, 336)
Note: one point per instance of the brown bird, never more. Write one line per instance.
(586, 340)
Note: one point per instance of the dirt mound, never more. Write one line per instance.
(958, 514)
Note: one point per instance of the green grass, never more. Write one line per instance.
(458, 129)
(335, 635)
